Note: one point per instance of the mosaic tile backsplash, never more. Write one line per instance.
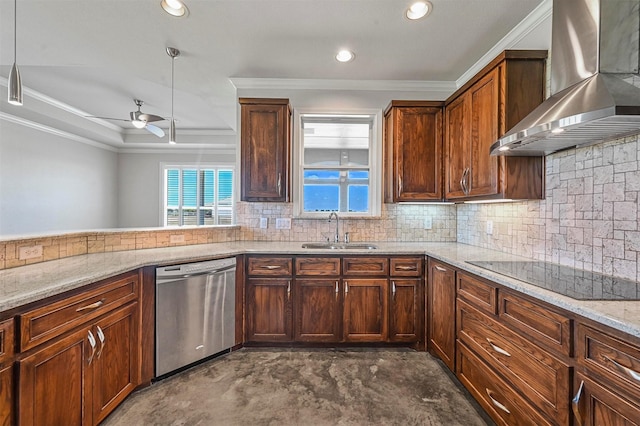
(589, 219)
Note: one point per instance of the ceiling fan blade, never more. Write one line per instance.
(155, 130)
(149, 118)
(105, 118)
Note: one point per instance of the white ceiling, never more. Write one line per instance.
(97, 55)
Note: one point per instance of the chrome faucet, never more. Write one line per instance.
(336, 237)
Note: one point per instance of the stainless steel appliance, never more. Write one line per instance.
(595, 80)
(195, 312)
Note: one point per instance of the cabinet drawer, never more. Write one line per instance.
(536, 322)
(269, 266)
(536, 375)
(42, 324)
(477, 293)
(315, 266)
(6, 342)
(617, 362)
(406, 266)
(502, 403)
(365, 266)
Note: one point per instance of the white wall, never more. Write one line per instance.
(48, 183)
(139, 197)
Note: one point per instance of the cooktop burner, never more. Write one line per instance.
(575, 283)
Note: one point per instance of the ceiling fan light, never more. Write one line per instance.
(15, 86)
(174, 7)
(138, 124)
(172, 132)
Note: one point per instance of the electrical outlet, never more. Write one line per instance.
(283, 223)
(30, 252)
(489, 227)
(176, 239)
(263, 223)
(428, 223)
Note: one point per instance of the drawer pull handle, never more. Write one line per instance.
(440, 268)
(393, 289)
(626, 370)
(575, 404)
(498, 348)
(346, 288)
(399, 184)
(279, 185)
(288, 290)
(270, 267)
(100, 335)
(496, 403)
(406, 268)
(92, 343)
(91, 306)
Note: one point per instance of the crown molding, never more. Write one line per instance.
(56, 132)
(528, 24)
(445, 87)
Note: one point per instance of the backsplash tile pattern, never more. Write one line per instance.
(588, 220)
(60, 246)
(398, 222)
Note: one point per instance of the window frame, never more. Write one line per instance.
(164, 166)
(375, 163)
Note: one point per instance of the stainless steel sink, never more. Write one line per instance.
(340, 246)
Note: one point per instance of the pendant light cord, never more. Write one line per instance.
(173, 62)
(15, 30)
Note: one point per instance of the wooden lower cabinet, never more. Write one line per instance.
(6, 396)
(365, 309)
(269, 315)
(404, 310)
(596, 405)
(318, 309)
(79, 379)
(116, 361)
(441, 312)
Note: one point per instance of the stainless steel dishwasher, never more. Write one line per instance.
(195, 312)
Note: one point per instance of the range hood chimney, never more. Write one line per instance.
(595, 83)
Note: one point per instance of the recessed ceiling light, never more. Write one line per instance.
(419, 10)
(345, 56)
(174, 7)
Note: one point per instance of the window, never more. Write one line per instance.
(197, 195)
(335, 156)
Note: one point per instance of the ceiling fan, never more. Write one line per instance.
(141, 120)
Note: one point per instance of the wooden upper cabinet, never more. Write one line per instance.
(265, 146)
(480, 112)
(413, 151)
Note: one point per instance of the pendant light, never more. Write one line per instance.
(15, 82)
(173, 53)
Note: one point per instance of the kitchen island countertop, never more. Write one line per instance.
(26, 284)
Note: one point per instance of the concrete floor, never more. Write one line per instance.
(305, 387)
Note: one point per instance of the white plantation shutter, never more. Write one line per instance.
(201, 195)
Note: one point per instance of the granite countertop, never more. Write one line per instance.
(26, 284)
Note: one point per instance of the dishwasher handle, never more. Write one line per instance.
(168, 278)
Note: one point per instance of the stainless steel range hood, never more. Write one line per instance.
(595, 83)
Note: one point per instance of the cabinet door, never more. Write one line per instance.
(317, 310)
(442, 312)
(404, 321)
(483, 99)
(417, 142)
(365, 310)
(269, 316)
(56, 382)
(116, 365)
(265, 151)
(595, 405)
(6, 396)
(456, 147)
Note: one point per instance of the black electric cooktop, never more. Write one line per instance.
(576, 283)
